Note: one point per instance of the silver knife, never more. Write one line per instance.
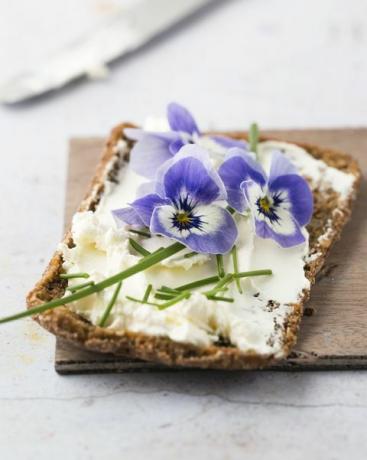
(126, 31)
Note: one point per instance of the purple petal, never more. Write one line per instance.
(176, 145)
(128, 216)
(299, 196)
(217, 234)
(280, 165)
(189, 151)
(149, 153)
(237, 168)
(229, 143)
(188, 175)
(263, 230)
(180, 119)
(144, 206)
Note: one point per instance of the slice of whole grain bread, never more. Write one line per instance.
(329, 217)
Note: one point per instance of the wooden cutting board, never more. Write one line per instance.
(334, 329)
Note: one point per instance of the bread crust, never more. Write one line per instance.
(328, 219)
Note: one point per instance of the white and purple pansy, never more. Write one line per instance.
(280, 204)
(152, 149)
(188, 205)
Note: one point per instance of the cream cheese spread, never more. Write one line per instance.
(254, 322)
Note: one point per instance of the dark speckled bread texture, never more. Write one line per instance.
(330, 215)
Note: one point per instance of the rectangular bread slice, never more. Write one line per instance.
(332, 208)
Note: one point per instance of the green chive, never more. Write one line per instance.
(198, 283)
(141, 233)
(169, 290)
(69, 276)
(147, 292)
(162, 296)
(235, 268)
(221, 299)
(80, 286)
(110, 305)
(134, 299)
(253, 273)
(169, 294)
(190, 254)
(158, 250)
(220, 266)
(220, 285)
(166, 293)
(253, 136)
(138, 248)
(182, 296)
(142, 265)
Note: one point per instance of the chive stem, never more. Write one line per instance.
(69, 276)
(220, 285)
(134, 299)
(215, 279)
(253, 136)
(169, 290)
(235, 268)
(138, 248)
(80, 286)
(142, 265)
(110, 305)
(198, 283)
(221, 299)
(220, 265)
(161, 296)
(158, 250)
(190, 254)
(253, 273)
(169, 303)
(147, 292)
(140, 232)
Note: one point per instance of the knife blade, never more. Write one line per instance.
(126, 31)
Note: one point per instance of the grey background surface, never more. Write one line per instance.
(283, 63)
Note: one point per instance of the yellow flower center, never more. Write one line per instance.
(265, 204)
(183, 218)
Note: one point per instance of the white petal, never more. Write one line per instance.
(212, 219)
(166, 213)
(253, 193)
(285, 225)
(284, 198)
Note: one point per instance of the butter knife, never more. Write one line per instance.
(126, 31)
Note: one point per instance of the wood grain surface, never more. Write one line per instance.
(334, 329)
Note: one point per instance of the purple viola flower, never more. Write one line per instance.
(152, 149)
(280, 204)
(188, 205)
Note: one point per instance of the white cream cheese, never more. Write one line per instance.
(318, 172)
(251, 323)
